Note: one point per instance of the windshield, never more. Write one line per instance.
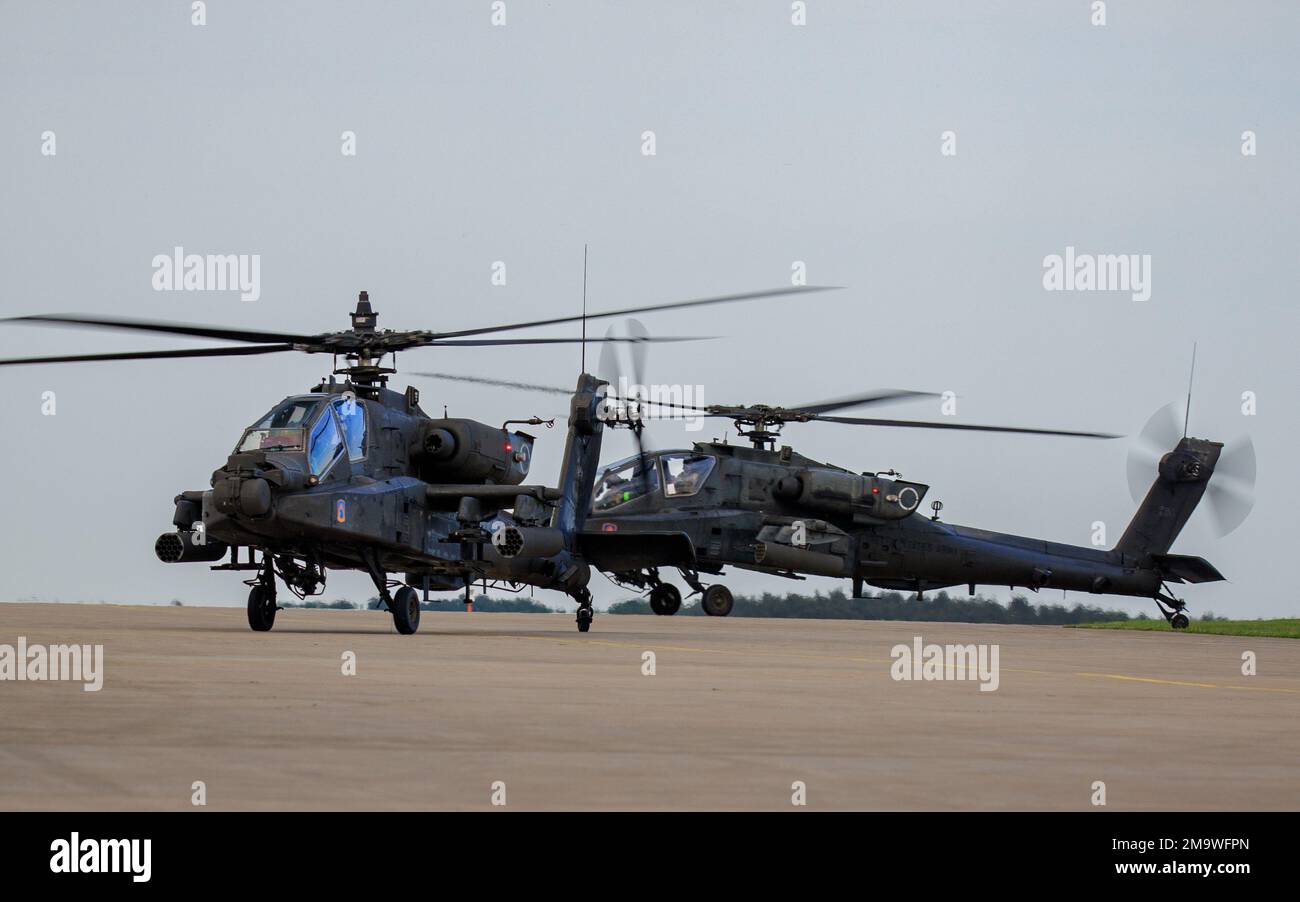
(624, 481)
(282, 428)
(684, 474)
(326, 443)
(352, 416)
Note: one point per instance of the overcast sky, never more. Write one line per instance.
(774, 143)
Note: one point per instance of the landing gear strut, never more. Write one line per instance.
(585, 611)
(404, 606)
(261, 598)
(716, 600)
(665, 599)
(1174, 613)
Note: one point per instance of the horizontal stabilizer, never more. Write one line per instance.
(1186, 568)
(617, 551)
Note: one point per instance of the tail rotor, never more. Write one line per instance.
(1232, 488)
(1230, 495)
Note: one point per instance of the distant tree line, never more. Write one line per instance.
(341, 604)
(897, 606)
(482, 603)
(836, 605)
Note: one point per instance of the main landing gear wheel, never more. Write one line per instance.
(1172, 608)
(261, 608)
(586, 613)
(406, 610)
(717, 601)
(665, 600)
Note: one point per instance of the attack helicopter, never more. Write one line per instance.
(776, 511)
(354, 475)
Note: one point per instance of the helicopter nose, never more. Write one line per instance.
(255, 497)
(247, 496)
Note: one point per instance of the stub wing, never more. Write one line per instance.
(447, 497)
(616, 551)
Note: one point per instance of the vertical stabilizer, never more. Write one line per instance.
(1180, 482)
(581, 458)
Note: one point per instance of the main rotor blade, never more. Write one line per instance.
(542, 389)
(166, 328)
(921, 424)
(497, 383)
(150, 355)
(877, 397)
(628, 311)
(493, 342)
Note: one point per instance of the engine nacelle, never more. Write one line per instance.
(843, 494)
(455, 450)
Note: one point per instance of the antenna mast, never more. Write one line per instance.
(584, 308)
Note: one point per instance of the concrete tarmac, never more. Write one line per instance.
(737, 712)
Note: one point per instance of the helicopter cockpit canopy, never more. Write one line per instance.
(282, 429)
(308, 422)
(681, 473)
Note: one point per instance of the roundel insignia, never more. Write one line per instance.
(609, 527)
(341, 510)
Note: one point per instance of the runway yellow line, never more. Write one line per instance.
(1137, 679)
(800, 655)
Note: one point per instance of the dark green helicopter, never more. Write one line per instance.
(775, 511)
(353, 475)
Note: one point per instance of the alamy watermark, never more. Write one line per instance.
(103, 856)
(634, 402)
(179, 271)
(1098, 272)
(946, 662)
(53, 663)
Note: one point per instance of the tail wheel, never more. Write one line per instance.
(717, 601)
(665, 600)
(406, 610)
(261, 608)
